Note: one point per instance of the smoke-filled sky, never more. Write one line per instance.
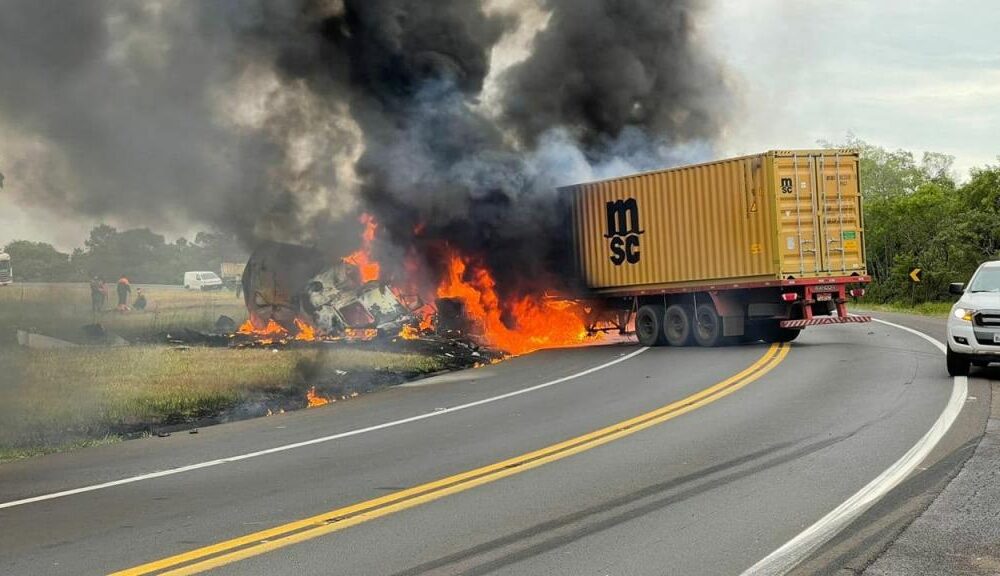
(278, 119)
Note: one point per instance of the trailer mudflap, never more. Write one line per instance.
(820, 320)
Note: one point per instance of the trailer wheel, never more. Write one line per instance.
(677, 325)
(707, 326)
(649, 325)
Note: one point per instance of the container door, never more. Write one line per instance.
(799, 238)
(840, 213)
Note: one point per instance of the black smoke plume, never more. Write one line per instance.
(283, 120)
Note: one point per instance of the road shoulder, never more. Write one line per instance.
(959, 532)
(867, 539)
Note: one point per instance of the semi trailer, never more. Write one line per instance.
(751, 248)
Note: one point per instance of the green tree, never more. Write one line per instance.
(917, 216)
(39, 262)
(145, 257)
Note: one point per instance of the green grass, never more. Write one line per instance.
(51, 399)
(54, 400)
(922, 309)
(60, 310)
(8, 454)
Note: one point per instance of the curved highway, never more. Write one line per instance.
(602, 460)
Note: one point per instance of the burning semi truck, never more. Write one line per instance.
(751, 248)
(744, 249)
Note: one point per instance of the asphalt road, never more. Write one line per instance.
(709, 488)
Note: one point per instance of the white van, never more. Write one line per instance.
(202, 281)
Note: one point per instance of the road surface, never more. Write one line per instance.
(678, 461)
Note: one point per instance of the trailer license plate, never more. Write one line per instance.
(824, 297)
(996, 338)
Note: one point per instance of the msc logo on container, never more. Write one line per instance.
(623, 231)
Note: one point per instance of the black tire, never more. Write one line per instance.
(958, 365)
(649, 325)
(677, 325)
(774, 333)
(707, 326)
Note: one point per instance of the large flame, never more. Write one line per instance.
(362, 259)
(537, 322)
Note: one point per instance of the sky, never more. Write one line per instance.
(917, 75)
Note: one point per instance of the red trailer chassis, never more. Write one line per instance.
(799, 302)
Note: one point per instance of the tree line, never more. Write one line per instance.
(140, 254)
(917, 215)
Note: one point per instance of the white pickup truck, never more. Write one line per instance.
(974, 322)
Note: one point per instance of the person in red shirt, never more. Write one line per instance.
(124, 290)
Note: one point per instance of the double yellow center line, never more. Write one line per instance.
(229, 551)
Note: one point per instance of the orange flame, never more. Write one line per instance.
(315, 399)
(306, 332)
(538, 322)
(427, 323)
(408, 332)
(272, 332)
(361, 333)
(266, 335)
(361, 259)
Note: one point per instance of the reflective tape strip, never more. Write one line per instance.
(821, 320)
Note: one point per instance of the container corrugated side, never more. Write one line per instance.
(710, 222)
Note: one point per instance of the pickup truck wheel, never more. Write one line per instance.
(649, 325)
(677, 325)
(707, 326)
(958, 365)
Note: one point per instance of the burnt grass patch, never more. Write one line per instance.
(59, 399)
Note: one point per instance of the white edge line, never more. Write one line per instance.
(287, 447)
(784, 559)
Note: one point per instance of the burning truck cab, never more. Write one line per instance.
(292, 286)
(337, 304)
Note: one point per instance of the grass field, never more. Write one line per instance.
(923, 309)
(60, 310)
(51, 399)
(60, 399)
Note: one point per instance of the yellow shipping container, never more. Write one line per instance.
(754, 219)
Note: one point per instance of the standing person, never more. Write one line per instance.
(124, 290)
(97, 294)
(140, 299)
